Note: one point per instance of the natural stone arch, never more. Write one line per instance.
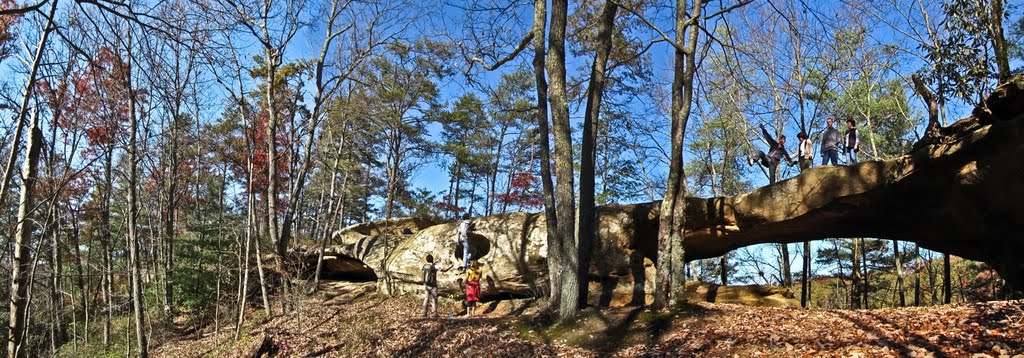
(962, 195)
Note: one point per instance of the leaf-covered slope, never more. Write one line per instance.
(393, 328)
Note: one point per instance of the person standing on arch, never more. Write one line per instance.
(776, 152)
(852, 141)
(830, 144)
(804, 151)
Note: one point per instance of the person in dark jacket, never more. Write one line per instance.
(429, 285)
(776, 152)
(851, 141)
(830, 144)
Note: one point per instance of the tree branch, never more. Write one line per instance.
(653, 27)
(522, 46)
(22, 10)
(728, 9)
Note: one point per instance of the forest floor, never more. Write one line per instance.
(372, 325)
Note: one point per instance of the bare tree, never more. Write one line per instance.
(586, 223)
(547, 183)
(670, 280)
(565, 201)
(23, 236)
(135, 259)
(23, 239)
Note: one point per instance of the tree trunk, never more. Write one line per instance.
(899, 273)
(855, 298)
(866, 285)
(26, 96)
(564, 188)
(1002, 56)
(586, 229)
(669, 286)
(805, 282)
(323, 93)
(539, 72)
(138, 299)
(394, 162)
(458, 189)
(917, 276)
(259, 272)
(220, 265)
(331, 215)
(271, 196)
(493, 184)
(243, 291)
(933, 292)
(450, 198)
(80, 279)
(171, 189)
(31, 282)
(107, 243)
(56, 267)
(787, 275)
(933, 129)
(723, 261)
(947, 286)
(22, 260)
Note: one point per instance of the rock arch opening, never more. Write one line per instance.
(479, 246)
(338, 267)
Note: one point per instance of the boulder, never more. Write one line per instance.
(512, 250)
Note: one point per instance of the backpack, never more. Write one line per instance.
(430, 275)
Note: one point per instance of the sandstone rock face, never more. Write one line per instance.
(398, 226)
(512, 250)
(337, 266)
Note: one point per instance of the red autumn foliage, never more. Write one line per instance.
(235, 148)
(93, 100)
(7, 23)
(445, 205)
(523, 192)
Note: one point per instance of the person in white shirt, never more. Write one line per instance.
(465, 226)
(804, 151)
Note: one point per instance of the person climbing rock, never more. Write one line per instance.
(473, 275)
(851, 141)
(776, 151)
(830, 144)
(804, 151)
(465, 227)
